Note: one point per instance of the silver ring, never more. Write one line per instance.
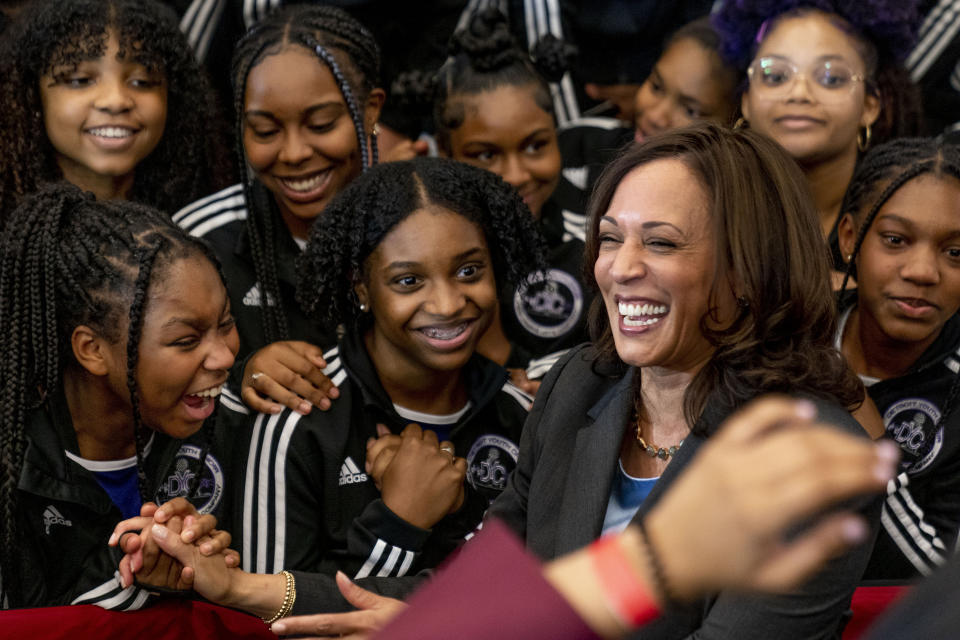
(254, 376)
(447, 449)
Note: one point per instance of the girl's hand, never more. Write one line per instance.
(287, 374)
(419, 481)
(520, 380)
(770, 467)
(375, 611)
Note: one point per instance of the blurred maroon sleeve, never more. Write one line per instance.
(492, 589)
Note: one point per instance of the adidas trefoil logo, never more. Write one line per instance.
(51, 517)
(350, 473)
(253, 298)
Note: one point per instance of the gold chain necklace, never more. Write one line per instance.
(652, 449)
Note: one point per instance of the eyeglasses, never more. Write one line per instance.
(833, 80)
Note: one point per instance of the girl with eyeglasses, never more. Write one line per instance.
(824, 80)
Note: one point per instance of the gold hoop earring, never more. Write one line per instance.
(863, 138)
(741, 123)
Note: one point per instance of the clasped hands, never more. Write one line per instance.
(147, 564)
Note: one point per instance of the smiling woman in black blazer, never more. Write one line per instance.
(714, 288)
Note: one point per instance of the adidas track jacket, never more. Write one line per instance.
(220, 219)
(921, 513)
(65, 517)
(307, 503)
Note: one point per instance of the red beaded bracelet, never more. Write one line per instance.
(628, 597)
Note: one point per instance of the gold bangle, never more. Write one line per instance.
(289, 597)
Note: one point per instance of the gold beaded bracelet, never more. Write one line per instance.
(289, 597)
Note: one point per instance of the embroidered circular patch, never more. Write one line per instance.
(912, 422)
(549, 304)
(209, 492)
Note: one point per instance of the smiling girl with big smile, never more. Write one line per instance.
(409, 258)
(117, 336)
(89, 88)
(305, 92)
(900, 235)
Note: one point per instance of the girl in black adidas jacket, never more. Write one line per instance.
(900, 236)
(409, 257)
(116, 336)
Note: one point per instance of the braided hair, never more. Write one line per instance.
(349, 50)
(484, 56)
(189, 161)
(358, 218)
(881, 172)
(67, 260)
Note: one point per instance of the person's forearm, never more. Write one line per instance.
(575, 577)
(256, 593)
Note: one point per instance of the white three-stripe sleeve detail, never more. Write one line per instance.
(338, 379)
(372, 560)
(407, 561)
(901, 543)
(140, 600)
(110, 585)
(280, 492)
(390, 563)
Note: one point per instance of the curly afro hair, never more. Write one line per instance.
(889, 25)
(355, 223)
(191, 159)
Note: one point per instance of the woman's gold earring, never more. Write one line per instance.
(849, 257)
(741, 123)
(863, 138)
(376, 128)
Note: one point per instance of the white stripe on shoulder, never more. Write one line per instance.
(593, 122)
(940, 32)
(217, 221)
(332, 353)
(538, 368)
(952, 364)
(575, 230)
(577, 176)
(523, 398)
(212, 199)
(231, 401)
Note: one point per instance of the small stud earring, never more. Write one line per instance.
(363, 307)
(849, 257)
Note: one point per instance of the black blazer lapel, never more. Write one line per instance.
(593, 464)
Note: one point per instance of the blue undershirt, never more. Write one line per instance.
(626, 496)
(118, 478)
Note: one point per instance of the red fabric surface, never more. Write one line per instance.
(173, 619)
(867, 605)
